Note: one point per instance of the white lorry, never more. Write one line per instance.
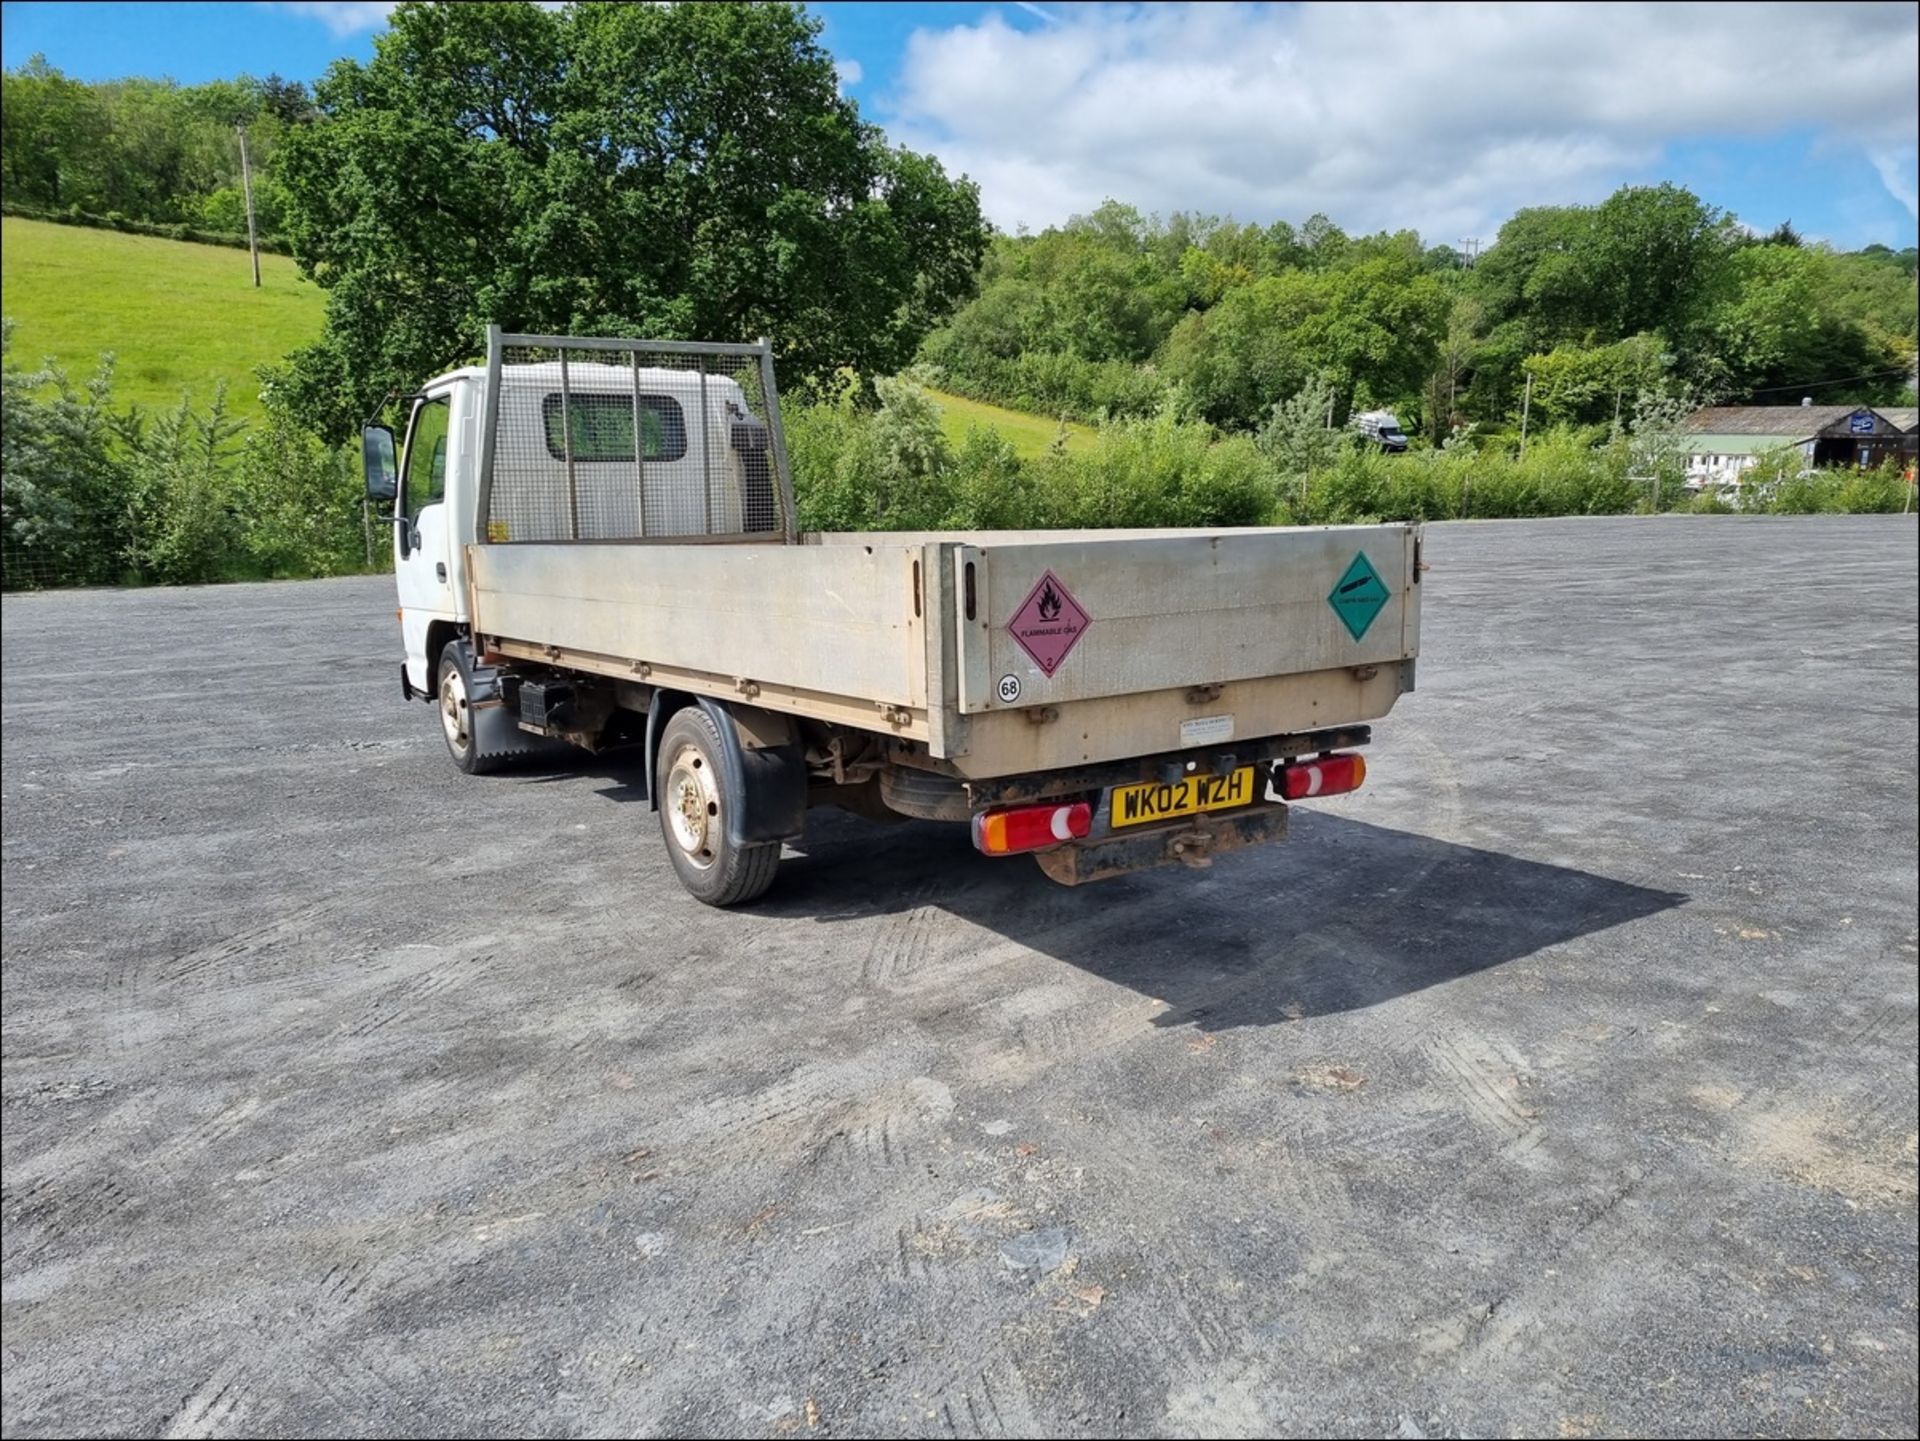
(595, 542)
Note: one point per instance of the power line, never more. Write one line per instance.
(1842, 380)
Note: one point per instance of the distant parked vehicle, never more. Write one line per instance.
(1380, 427)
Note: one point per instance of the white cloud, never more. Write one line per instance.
(1896, 169)
(849, 72)
(1442, 117)
(342, 17)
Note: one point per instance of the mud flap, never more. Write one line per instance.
(496, 731)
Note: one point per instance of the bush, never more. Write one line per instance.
(63, 510)
(1162, 472)
(1562, 473)
(891, 469)
(92, 497)
(1777, 486)
(1052, 383)
(183, 492)
(299, 500)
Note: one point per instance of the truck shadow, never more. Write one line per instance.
(1343, 915)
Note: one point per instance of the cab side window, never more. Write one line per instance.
(426, 464)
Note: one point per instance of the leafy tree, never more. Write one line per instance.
(1455, 354)
(1654, 259)
(1659, 441)
(1372, 327)
(50, 121)
(1782, 327)
(1647, 259)
(148, 150)
(684, 171)
(1581, 384)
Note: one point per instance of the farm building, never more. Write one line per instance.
(1724, 440)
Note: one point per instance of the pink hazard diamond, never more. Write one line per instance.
(1048, 624)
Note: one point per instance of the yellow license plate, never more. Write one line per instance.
(1136, 805)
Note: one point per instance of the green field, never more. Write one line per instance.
(181, 317)
(178, 317)
(1028, 434)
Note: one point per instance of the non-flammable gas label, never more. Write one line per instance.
(1048, 624)
(1358, 595)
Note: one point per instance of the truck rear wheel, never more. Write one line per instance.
(696, 797)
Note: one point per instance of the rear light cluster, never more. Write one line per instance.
(1030, 828)
(1333, 775)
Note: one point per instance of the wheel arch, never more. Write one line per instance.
(770, 780)
(440, 634)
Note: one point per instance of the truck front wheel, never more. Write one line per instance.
(459, 723)
(696, 797)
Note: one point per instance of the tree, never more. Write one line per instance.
(1372, 328)
(1579, 384)
(1655, 257)
(1455, 355)
(50, 122)
(1647, 259)
(1296, 433)
(682, 171)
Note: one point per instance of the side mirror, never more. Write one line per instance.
(383, 471)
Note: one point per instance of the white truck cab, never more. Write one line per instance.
(574, 473)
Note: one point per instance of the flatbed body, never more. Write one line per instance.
(1191, 637)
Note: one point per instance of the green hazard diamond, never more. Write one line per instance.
(1358, 595)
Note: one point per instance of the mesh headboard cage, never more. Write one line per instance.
(597, 439)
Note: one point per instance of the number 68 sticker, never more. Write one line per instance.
(1009, 689)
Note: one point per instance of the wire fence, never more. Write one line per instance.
(110, 553)
(622, 440)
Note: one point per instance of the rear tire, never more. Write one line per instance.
(695, 798)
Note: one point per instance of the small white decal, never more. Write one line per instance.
(1009, 688)
(1206, 730)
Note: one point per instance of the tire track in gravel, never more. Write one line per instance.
(62, 1212)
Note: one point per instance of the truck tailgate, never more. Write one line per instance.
(1051, 621)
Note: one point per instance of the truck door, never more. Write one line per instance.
(422, 535)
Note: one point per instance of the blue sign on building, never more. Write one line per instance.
(1860, 423)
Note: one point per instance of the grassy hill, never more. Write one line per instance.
(181, 317)
(178, 317)
(1027, 434)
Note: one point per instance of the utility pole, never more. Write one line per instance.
(246, 184)
(1526, 408)
(1470, 250)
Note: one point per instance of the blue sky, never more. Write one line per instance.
(1441, 118)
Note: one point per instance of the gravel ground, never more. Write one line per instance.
(1563, 1081)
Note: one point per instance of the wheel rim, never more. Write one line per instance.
(455, 716)
(693, 806)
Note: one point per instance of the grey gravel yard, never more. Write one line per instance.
(1563, 1081)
